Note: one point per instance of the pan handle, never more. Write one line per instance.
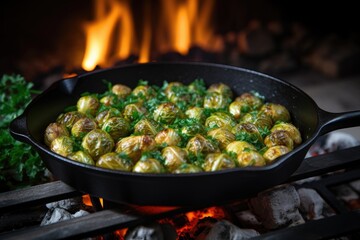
(332, 121)
(18, 129)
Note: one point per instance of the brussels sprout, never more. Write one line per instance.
(106, 115)
(174, 157)
(221, 88)
(88, 105)
(216, 100)
(223, 136)
(259, 119)
(238, 108)
(62, 145)
(108, 100)
(192, 129)
(113, 160)
(250, 158)
(54, 130)
(147, 126)
(253, 101)
(218, 161)
(248, 132)
(196, 113)
(220, 119)
(239, 146)
(97, 142)
(169, 90)
(168, 137)
(134, 146)
(199, 144)
(279, 137)
(145, 92)
(149, 165)
(120, 90)
(188, 168)
(117, 127)
(82, 127)
(293, 132)
(82, 157)
(167, 113)
(69, 118)
(133, 111)
(274, 152)
(277, 112)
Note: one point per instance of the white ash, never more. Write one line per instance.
(55, 215)
(80, 213)
(345, 193)
(226, 230)
(153, 231)
(311, 203)
(355, 185)
(277, 207)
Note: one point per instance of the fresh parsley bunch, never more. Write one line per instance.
(20, 165)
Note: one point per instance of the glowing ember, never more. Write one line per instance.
(113, 36)
(87, 201)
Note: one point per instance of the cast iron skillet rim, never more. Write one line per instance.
(271, 167)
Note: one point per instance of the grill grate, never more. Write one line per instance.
(345, 221)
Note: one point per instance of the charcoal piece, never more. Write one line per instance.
(153, 231)
(277, 206)
(355, 185)
(256, 42)
(248, 219)
(80, 213)
(311, 203)
(226, 230)
(67, 204)
(55, 215)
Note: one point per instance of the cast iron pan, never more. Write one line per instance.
(172, 189)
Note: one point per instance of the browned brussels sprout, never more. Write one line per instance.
(143, 91)
(192, 129)
(83, 157)
(250, 158)
(293, 132)
(199, 144)
(134, 146)
(108, 100)
(223, 136)
(167, 113)
(218, 161)
(82, 127)
(147, 126)
(188, 168)
(133, 111)
(169, 90)
(174, 157)
(239, 146)
(62, 145)
(97, 142)
(253, 101)
(88, 105)
(260, 120)
(113, 160)
(117, 127)
(221, 88)
(167, 137)
(149, 165)
(220, 119)
(277, 112)
(105, 115)
(69, 118)
(279, 137)
(121, 90)
(238, 109)
(274, 152)
(196, 113)
(248, 132)
(54, 130)
(215, 100)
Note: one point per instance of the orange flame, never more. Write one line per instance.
(113, 36)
